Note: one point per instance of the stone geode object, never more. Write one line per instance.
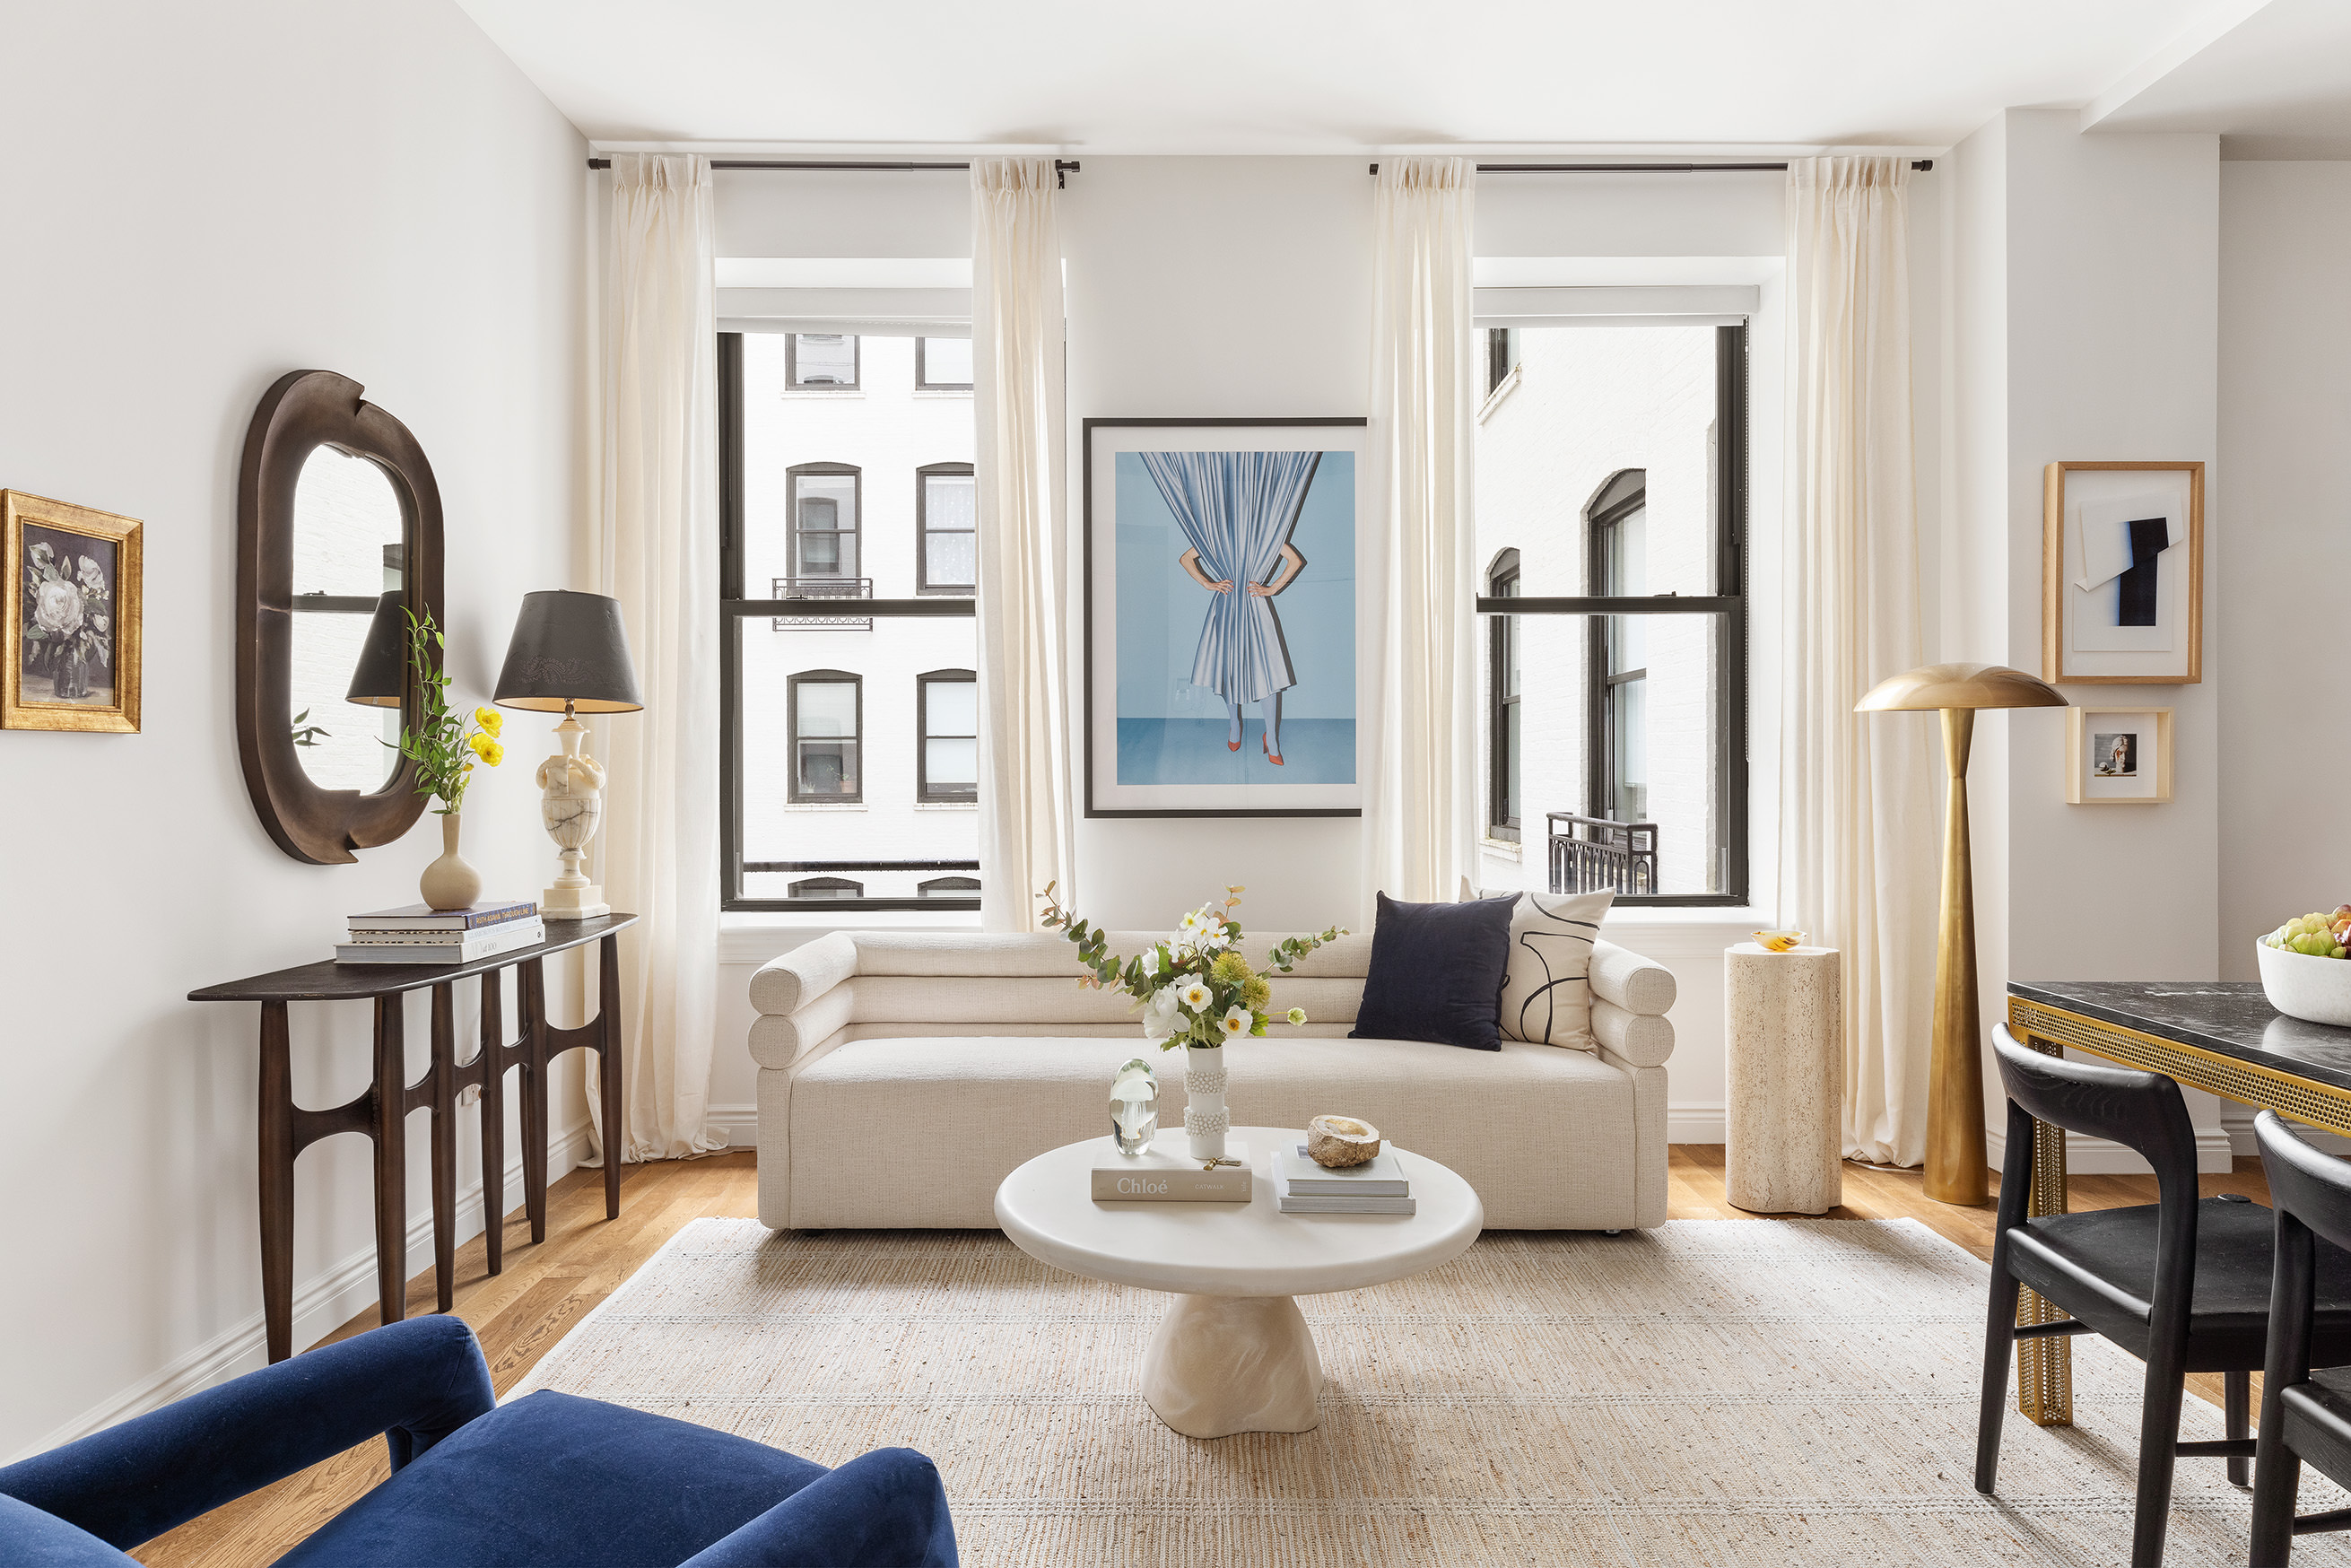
(1336, 1143)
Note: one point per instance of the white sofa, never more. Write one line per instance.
(903, 1075)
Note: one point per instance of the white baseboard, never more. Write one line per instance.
(2086, 1156)
(1695, 1122)
(321, 1305)
(2237, 1121)
(738, 1124)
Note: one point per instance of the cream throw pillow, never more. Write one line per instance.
(1546, 994)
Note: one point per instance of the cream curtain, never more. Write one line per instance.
(1026, 825)
(1857, 820)
(656, 550)
(1420, 785)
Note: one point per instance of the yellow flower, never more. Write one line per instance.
(488, 750)
(490, 718)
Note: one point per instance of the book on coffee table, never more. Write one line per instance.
(1382, 1175)
(1162, 1174)
(1289, 1202)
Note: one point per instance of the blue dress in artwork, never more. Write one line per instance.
(1236, 510)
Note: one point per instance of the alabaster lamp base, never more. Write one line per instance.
(572, 903)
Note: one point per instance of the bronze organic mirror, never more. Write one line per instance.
(338, 533)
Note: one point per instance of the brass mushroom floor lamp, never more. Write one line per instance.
(1955, 1112)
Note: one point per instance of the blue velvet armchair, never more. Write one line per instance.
(550, 1479)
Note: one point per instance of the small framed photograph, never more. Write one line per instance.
(72, 614)
(2117, 757)
(2122, 573)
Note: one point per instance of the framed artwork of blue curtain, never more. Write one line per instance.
(1223, 675)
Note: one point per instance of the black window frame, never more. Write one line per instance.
(922, 370)
(734, 612)
(792, 683)
(1502, 581)
(922, 477)
(1602, 684)
(924, 793)
(856, 530)
(1726, 604)
(856, 382)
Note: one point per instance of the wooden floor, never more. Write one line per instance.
(544, 1290)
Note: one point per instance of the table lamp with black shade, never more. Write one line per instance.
(570, 653)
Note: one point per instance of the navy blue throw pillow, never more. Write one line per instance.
(1437, 973)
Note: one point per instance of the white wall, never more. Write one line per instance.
(2286, 402)
(201, 199)
(2086, 320)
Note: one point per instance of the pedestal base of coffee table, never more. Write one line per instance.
(1222, 1364)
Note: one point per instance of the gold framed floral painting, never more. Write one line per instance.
(72, 613)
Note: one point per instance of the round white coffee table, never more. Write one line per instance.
(1233, 1354)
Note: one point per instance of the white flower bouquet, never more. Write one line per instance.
(1194, 989)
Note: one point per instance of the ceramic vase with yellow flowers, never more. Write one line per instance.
(446, 746)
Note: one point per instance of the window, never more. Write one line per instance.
(1617, 535)
(1502, 705)
(945, 503)
(826, 710)
(1502, 353)
(824, 520)
(1611, 510)
(946, 709)
(822, 359)
(943, 364)
(843, 682)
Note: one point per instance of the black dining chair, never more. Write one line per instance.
(2305, 1413)
(2183, 1283)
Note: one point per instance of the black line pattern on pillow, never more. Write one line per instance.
(1563, 948)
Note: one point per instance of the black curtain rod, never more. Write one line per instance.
(1920, 164)
(1062, 168)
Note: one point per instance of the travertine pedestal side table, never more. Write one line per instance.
(1784, 1022)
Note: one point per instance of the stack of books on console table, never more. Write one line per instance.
(1165, 1175)
(1378, 1185)
(419, 934)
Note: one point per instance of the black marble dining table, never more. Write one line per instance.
(2219, 1036)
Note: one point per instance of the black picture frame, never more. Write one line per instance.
(1088, 429)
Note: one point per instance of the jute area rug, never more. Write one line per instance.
(1710, 1393)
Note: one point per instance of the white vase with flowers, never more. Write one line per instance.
(1197, 991)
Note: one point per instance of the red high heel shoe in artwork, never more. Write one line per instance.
(1232, 745)
(1270, 754)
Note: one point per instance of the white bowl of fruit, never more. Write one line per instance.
(2306, 967)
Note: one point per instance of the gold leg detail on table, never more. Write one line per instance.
(2044, 1367)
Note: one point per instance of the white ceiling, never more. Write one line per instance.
(2273, 76)
(1317, 76)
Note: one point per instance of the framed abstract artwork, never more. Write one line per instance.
(73, 617)
(1223, 675)
(2122, 573)
(2117, 755)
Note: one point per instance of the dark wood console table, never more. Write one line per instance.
(382, 1111)
(2219, 1036)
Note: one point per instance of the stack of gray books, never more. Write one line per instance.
(1378, 1185)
